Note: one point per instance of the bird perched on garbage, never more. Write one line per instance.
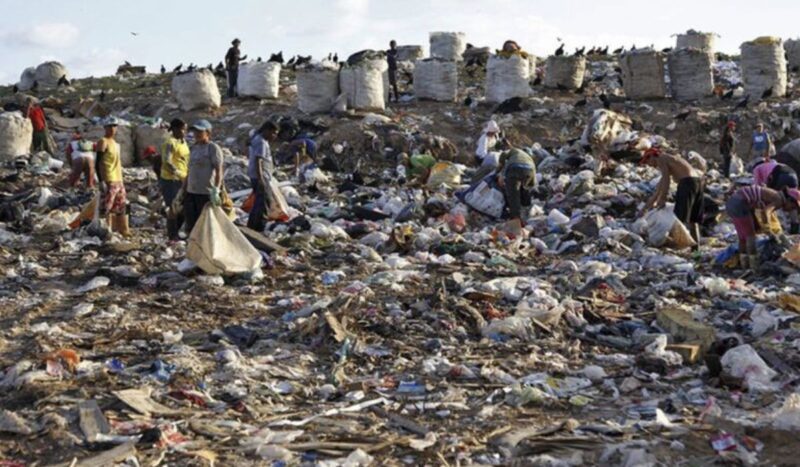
(603, 51)
(15, 89)
(163, 69)
(102, 95)
(63, 81)
(191, 67)
(302, 60)
(127, 63)
(330, 56)
(258, 59)
(291, 61)
(210, 67)
(767, 94)
(336, 58)
(276, 58)
(742, 103)
(605, 101)
(220, 66)
(579, 52)
(177, 68)
(592, 51)
(619, 50)
(633, 47)
(559, 51)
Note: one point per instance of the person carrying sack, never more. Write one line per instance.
(203, 183)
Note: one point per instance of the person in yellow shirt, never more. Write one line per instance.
(110, 174)
(174, 168)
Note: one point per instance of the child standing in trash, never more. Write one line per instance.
(259, 169)
(516, 174)
(174, 169)
(689, 195)
(741, 207)
(109, 163)
(203, 182)
(727, 147)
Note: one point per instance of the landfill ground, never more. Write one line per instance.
(428, 342)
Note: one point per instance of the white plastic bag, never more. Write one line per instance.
(218, 247)
(745, 363)
(663, 228)
(788, 416)
(278, 208)
(486, 198)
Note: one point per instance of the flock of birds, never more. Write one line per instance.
(293, 63)
(601, 51)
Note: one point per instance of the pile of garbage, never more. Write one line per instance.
(382, 319)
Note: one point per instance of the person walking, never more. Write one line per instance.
(203, 182)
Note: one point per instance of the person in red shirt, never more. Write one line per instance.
(41, 137)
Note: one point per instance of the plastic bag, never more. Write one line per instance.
(736, 167)
(218, 247)
(278, 208)
(444, 173)
(745, 363)
(664, 229)
(485, 197)
(767, 222)
(788, 416)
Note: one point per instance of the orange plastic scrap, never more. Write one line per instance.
(68, 357)
(789, 302)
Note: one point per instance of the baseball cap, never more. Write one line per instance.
(202, 125)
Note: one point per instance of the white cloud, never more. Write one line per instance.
(96, 62)
(48, 35)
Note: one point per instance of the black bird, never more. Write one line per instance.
(559, 51)
(683, 115)
(210, 67)
(277, 58)
(592, 51)
(302, 60)
(510, 105)
(63, 81)
(291, 61)
(580, 103)
(537, 81)
(605, 101)
(220, 66)
(35, 85)
(330, 57)
(15, 89)
(579, 52)
(102, 95)
(163, 70)
(191, 67)
(336, 58)
(603, 51)
(258, 59)
(667, 50)
(743, 103)
(127, 63)
(728, 95)
(178, 68)
(767, 94)
(468, 101)
(619, 50)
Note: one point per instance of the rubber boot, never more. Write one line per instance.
(744, 261)
(121, 225)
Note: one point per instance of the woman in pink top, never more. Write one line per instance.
(741, 207)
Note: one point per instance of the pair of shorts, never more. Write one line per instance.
(742, 217)
(115, 199)
(689, 200)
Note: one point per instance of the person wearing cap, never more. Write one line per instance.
(259, 169)
(232, 59)
(174, 169)
(516, 176)
(761, 143)
(741, 207)
(391, 60)
(41, 135)
(109, 165)
(80, 153)
(203, 182)
(689, 195)
(484, 154)
(727, 147)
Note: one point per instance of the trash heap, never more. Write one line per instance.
(387, 322)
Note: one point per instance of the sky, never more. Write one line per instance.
(93, 37)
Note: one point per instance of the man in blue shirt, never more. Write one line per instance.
(761, 143)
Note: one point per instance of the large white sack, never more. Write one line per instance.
(409, 53)
(144, 136)
(124, 137)
(196, 90)
(16, 135)
(764, 67)
(218, 247)
(48, 73)
(507, 78)
(692, 39)
(690, 74)
(363, 85)
(566, 71)
(259, 79)
(448, 45)
(317, 89)
(436, 80)
(27, 78)
(643, 74)
(792, 47)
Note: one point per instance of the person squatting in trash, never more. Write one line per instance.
(203, 183)
(109, 163)
(260, 169)
(516, 176)
(727, 147)
(777, 176)
(80, 153)
(689, 195)
(174, 169)
(741, 207)
(298, 145)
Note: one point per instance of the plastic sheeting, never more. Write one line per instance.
(218, 247)
(448, 45)
(764, 67)
(436, 80)
(643, 74)
(317, 89)
(564, 71)
(364, 86)
(690, 74)
(16, 135)
(507, 78)
(196, 90)
(259, 79)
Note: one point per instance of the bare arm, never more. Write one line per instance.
(659, 197)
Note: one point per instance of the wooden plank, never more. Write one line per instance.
(402, 422)
(261, 242)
